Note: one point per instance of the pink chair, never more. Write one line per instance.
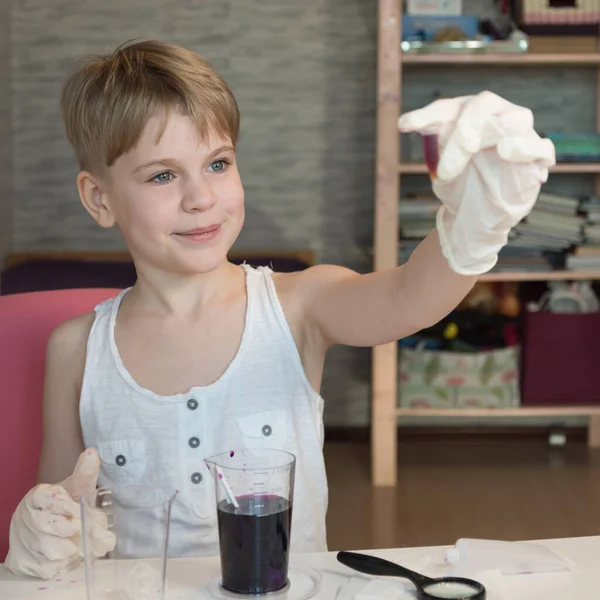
(26, 321)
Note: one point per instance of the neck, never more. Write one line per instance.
(183, 295)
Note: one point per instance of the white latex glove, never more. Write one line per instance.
(45, 530)
(492, 166)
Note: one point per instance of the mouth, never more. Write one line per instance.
(199, 233)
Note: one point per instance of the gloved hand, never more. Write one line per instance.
(491, 168)
(45, 530)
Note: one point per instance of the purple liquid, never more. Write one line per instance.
(255, 544)
(432, 157)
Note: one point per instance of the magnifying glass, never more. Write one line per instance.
(456, 588)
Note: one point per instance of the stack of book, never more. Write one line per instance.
(584, 258)
(417, 221)
(540, 241)
(587, 256)
(552, 225)
(560, 231)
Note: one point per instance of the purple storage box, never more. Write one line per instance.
(561, 359)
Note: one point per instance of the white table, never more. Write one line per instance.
(187, 577)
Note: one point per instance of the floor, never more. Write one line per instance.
(462, 487)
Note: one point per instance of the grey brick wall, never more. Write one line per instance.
(5, 131)
(304, 75)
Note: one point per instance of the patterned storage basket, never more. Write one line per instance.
(560, 12)
(441, 379)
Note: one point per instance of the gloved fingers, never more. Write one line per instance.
(526, 148)
(85, 475)
(55, 548)
(52, 498)
(97, 531)
(433, 117)
(530, 149)
(33, 544)
(454, 159)
(481, 124)
(102, 540)
(516, 120)
(45, 522)
(484, 122)
(511, 188)
(23, 562)
(475, 131)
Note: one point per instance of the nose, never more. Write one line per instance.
(198, 196)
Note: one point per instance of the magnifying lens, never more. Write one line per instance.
(456, 588)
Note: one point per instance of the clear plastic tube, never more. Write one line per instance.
(432, 156)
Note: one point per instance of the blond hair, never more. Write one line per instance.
(108, 100)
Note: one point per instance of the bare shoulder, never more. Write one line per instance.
(70, 337)
(305, 285)
(65, 358)
(300, 291)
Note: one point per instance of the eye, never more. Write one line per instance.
(163, 177)
(218, 165)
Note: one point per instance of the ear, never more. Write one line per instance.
(93, 197)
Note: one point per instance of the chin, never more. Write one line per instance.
(202, 260)
(201, 263)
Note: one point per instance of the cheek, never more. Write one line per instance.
(235, 197)
(152, 218)
(148, 214)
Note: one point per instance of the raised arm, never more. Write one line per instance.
(367, 310)
(492, 165)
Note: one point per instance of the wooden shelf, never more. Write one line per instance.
(558, 275)
(392, 64)
(540, 276)
(575, 168)
(550, 60)
(525, 411)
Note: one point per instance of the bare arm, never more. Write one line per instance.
(376, 308)
(65, 361)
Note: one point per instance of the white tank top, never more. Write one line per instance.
(262, 400)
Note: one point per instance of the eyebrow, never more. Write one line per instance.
(166, 162)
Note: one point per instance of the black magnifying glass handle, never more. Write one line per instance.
(372, 565)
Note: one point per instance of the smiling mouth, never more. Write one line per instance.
(199, 233)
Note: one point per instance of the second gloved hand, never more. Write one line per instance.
(45, 530)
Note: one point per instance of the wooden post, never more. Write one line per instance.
(384, 359)
(594, 420)
(598, 117)
(594, 431)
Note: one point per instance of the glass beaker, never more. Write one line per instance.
(254, 490)
(125, 535)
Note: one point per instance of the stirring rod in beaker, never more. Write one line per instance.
(228, 491)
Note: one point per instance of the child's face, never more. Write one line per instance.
(177, 200)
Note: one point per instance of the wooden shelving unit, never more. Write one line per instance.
(517, 60)
(546, 411)
(564, 168)
(541, 276)
(385, 411)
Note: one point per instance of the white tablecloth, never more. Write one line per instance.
(188, 577)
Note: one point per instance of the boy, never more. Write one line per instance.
(201, 356)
